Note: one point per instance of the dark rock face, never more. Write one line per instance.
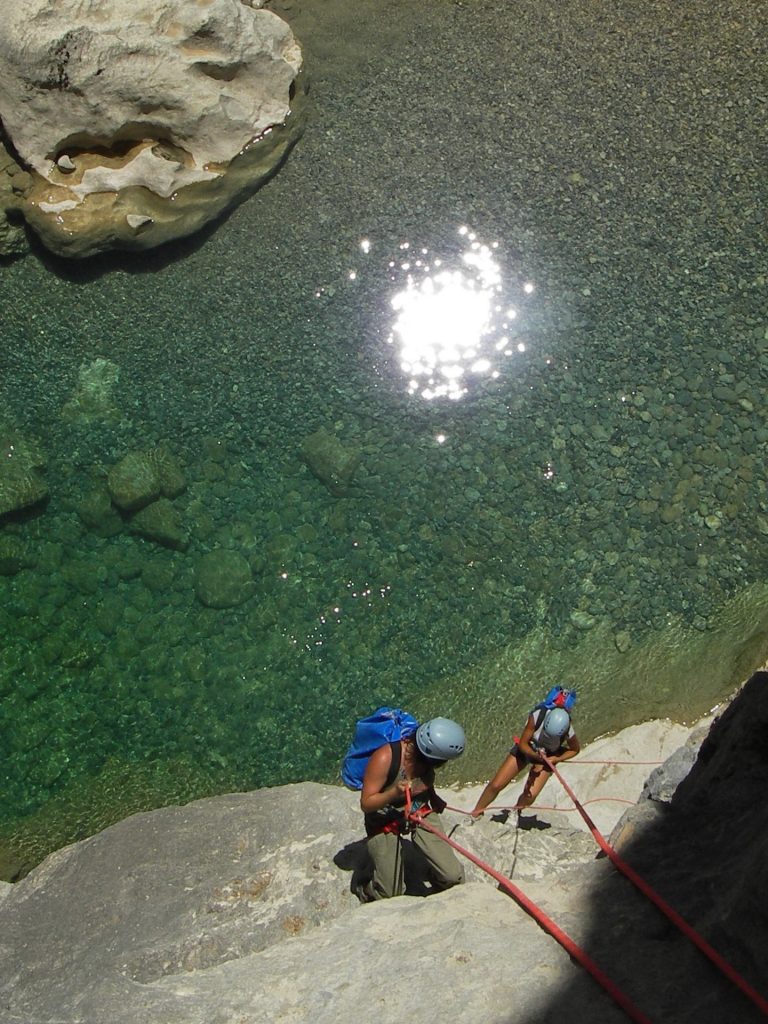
(722, 812)
(706, 853)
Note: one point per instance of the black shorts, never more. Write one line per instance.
(514, 751)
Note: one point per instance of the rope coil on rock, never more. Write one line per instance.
(584, 760)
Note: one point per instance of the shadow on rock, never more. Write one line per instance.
(705, 853)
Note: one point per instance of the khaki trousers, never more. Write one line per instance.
(386, 852)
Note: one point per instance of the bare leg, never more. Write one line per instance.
(512, 765)
(536, 781)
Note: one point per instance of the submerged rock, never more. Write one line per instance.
(14, 556)
(13, 239)
(134, 482)
(130, 118)
(168, 471)
(93, 398)
(223, 579)
(97, 512)
(583, 620)
(330, 461)
(21, 465)
(161, 522)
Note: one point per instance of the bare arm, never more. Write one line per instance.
(573, 747)
(525, 741)
(372, 798)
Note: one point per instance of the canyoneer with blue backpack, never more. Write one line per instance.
(548, 730)
(392, 761)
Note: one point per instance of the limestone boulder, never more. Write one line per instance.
(131, 117)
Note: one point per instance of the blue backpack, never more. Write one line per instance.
(558, 697)
(385, 725)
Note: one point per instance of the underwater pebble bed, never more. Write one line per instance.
(609, 478)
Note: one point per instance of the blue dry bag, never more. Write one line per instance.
(385, 725)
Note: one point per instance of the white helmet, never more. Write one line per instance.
(440, 739)
(556, 724)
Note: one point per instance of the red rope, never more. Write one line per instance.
(582, 760)
(760, 1002)
(547, 924)
(548, 807)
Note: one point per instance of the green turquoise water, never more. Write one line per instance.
(595, 511)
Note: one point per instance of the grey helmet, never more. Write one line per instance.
(555, 727)
(440, 739)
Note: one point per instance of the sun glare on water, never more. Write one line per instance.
(450, 321)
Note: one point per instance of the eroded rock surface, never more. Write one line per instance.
(129, 116)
